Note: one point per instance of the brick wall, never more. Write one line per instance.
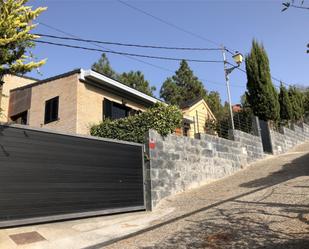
(66, 89)
(10, 82)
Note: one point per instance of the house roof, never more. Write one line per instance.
(89, 76)
(114, 84)
(26, 77)
(59, 76)
(190, 102)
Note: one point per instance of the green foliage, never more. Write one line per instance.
(214, 102)
(137, 81)
(297, 102)
(286, 111)
(16, 22)
(261, 94)
(133, 79)
(164, 119)
(306, 101)
(103, 66)
(182, 86)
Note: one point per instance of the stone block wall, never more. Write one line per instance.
(288, 138)
(252, 144)
(179, 163)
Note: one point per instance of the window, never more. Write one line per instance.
(51, 110)
(114, 110)
(20, 118)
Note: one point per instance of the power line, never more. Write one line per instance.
(136, 59)
(97, 45)
(172, 25)
(272, 77)
(128, 54)
(130, 45)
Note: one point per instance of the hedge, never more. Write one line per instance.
(164, 119)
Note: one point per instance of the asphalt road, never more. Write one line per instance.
(264, 206)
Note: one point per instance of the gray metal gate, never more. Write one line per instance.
(266, 139)
(51, 176)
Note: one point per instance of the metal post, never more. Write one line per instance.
(194, 130)
(227, 80)
(198, 124)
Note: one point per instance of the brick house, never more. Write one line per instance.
(11, 82)
(73, 101)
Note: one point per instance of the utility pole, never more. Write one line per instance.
(227, 80)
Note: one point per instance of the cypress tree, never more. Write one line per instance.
(297, 101)
(261, 94)
(286, 111)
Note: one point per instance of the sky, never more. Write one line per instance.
(231, 23)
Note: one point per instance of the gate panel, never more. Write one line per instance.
(48, 176)
(266, 139)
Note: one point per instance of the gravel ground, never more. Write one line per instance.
(265, 206)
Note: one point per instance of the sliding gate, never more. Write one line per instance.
(48, 176)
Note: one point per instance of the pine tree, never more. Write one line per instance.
(182, 86)
(137, 81)
(103, 66)
(286, 111)
(261, 94)
(16, 22)
(297, 102)
(134, 79)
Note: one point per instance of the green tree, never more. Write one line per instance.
(133, 79)
(261, 94)
(170, 92)
(286, 111)
(137, 81)
(297, 102)
(16, 22)
(306, 100)
(182, 86)
(214, 102)
(103, 66)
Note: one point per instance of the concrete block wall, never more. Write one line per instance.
(288, 138)
(179, 163)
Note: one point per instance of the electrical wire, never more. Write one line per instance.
(129, 44)
(128, 54)
(100, 46)
(136, 59)
(173, 25)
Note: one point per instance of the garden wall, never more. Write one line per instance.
(179, 163)
(288, 138)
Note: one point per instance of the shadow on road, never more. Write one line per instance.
(298, 167)
(239, 224)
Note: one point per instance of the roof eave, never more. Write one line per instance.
(92, 75)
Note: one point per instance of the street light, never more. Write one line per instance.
(238, 58)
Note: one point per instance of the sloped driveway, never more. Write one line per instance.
(264, 206)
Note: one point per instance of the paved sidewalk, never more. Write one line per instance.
(81, 233)
(264, 206)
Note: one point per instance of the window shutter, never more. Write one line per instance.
(107, 109)
(55, 107)
(47, 112)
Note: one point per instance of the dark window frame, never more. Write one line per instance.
(110, 108)
(51, 110)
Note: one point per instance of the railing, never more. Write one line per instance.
(221, 127)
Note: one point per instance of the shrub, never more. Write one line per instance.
(164, 119)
